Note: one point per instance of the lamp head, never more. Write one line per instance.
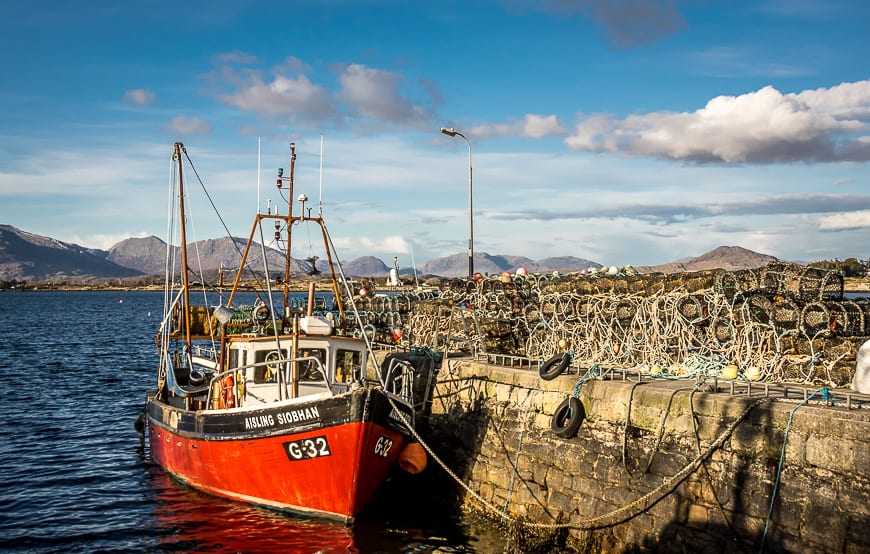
(451, 132)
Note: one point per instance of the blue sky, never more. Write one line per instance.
(627, 132)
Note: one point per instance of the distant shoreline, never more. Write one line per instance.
(851, 285)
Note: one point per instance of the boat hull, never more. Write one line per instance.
(325, 457)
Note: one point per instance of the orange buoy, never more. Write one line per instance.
(412, 458)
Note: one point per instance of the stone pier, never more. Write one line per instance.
(657, 465)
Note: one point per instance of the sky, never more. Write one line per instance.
(624, 132)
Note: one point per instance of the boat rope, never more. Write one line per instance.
(825, 395)
(365, 337)
(661, 430)
(515, 465)
(609, 518)
(709, 477)
(217, 213)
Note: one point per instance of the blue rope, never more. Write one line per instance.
(591, 373)
(825, 396)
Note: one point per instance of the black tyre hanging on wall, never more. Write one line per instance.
(554, 367)
(567, 418)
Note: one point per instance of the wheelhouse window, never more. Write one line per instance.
(268, 373)
(308, 369)
(348, 365)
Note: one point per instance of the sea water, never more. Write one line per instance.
(75, 476)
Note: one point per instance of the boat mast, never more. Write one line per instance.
(179, 147)
(287, 257)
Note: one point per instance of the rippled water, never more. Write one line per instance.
(76, 478)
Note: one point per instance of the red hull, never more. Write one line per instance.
(276, 470)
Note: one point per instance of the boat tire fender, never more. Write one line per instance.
(567, 418)
(554, 367)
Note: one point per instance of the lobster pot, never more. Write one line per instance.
(722, 329)
(864, 305)
(755, 308)
(584, 286)
(532, 312)
(815, 318)
(603, 284)
(786, 316)
(699, 280)
(849, 317)
(731, 283)
(625, 310)
(202, 322)
(620, 285)
(820, 284)
(496, 328)
(692, 308)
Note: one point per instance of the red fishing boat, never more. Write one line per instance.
(268, 402)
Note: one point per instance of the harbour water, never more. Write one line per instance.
(76, 478)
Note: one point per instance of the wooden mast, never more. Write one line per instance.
(290, 200)
(179, 147)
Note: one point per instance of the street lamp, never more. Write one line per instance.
(451, 132)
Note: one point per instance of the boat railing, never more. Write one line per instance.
(217, 378)
(399, 379)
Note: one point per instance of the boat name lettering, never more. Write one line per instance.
(302, 414)
(305, 449)
(281, 418)
(258, 422)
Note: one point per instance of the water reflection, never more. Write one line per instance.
(400, 520)
(186, 521)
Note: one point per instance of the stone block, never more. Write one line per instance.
(550, 401)
(542, 421)
(561, 501)
(668, 464)
(502, 393)
(486, 491)
(587, 487)
(824, 526)
(840, 456)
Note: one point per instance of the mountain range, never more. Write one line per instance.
(28, 257)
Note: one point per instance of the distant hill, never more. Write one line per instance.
(366, 266)
(729, 258)
(457, 264)
(147, 255)
(28, 257)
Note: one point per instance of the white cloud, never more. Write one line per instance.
(296, 97)
(389, 245)
(370, 93)
(531, 126)
(845, 221)
(187, 126)
(765, 126)
(141, 97)
(373, 93)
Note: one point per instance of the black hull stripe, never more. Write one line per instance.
(363, 405)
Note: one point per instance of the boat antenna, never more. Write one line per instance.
(413, 263)
(258, 174)
(320, 205)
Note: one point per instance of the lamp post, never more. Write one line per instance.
(451, 132)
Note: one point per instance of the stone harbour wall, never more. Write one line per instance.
(656, 465)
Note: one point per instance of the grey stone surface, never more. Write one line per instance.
(823, 498)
